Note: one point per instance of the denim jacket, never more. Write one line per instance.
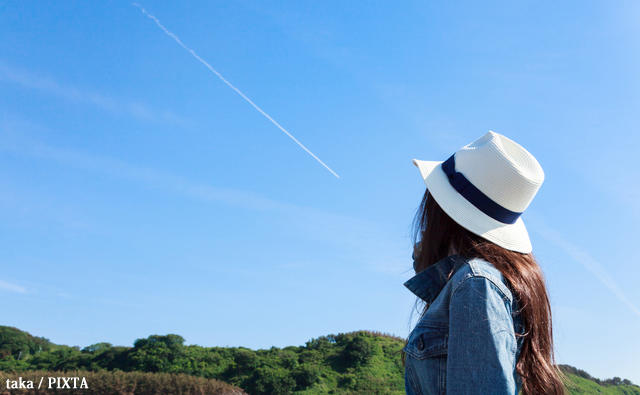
(466, 341)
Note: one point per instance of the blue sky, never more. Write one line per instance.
(141, 195)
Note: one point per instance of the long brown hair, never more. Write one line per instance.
(436, 234)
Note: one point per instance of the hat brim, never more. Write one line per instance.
(510, 236)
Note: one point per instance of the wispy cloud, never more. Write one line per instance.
(351, 237)
(121, 169)
(583, 257)
(230, 85)
(6, 286)
(135, 109)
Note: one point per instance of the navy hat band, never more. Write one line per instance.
(475, 196)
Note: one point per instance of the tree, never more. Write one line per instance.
(359, 350)
(97, 348)
(159, 354)
(271, 380)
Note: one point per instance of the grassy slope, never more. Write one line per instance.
(578, 385)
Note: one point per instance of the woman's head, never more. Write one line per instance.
(436, 235)
(486, 186)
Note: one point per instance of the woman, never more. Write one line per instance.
(486, 325)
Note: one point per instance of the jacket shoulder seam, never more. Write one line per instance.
(468, 276)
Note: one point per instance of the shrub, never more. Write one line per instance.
(126, 383)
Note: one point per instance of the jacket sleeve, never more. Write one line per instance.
(482, 345)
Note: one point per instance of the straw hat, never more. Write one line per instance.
(485, 186)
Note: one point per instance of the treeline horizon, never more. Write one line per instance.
(354, 362)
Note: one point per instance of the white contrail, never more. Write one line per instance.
(230, 85)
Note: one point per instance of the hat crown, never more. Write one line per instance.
(502, 169)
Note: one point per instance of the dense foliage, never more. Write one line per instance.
(358, 362)
(16, 343)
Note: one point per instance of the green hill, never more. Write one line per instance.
(579, 385)
(357, 362)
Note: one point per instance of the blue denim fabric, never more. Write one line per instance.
(466, 341)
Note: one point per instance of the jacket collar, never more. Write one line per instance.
(428, 283)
